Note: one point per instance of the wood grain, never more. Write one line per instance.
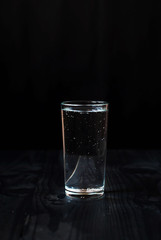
(129, 210)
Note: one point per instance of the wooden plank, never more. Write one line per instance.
(129, 210)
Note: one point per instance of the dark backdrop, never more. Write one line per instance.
(55, 50)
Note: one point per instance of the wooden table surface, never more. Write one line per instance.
(33, 205)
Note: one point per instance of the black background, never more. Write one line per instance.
(51, 51)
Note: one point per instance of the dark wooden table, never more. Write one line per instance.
(33, 205)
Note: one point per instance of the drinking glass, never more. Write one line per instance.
(84, 129)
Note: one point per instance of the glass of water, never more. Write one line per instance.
(84, 128)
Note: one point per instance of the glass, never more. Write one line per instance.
(84, 128)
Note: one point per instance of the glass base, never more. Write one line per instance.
(89, 192)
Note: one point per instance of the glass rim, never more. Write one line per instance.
(84, 103)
